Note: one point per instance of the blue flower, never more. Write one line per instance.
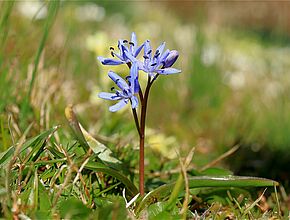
(160, 62)
(126, 92)
(125, 48)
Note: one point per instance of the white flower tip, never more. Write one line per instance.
(100, 58)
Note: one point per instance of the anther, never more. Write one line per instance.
(128, 77)
(112, 53)
(125, 41)
(153, 64)
(149, 51)
(157, 54)
(112, 88)
(131, 43)
(112, 48)
(146, 57)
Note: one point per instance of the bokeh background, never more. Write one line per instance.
(233, 90)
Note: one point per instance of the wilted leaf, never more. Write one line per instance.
(87, 140)
(103, 152)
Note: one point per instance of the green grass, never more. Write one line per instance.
(53, 169)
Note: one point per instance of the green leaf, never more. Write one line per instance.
(178, 186)
(35, 141)
(214, 171)
(159, 211)
(73, 209)
(6, 155)
(44, 200)
(205, 181)
(99, 167)
(114, 208)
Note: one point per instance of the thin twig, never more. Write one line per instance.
(248, 209)
(277, 201)
(221, 157)
(187, 193)
(184, 165)
(67, 177)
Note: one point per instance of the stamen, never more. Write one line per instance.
(125, 41)
(112, 48)
(157, 54)
(131, 43)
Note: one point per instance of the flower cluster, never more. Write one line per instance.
(153, 64)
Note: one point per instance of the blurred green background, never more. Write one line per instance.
(233, 89)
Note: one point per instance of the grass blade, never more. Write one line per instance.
(206, 181)
(52, 12)
(98, 167)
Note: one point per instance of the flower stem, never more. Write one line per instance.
(142, 136)
(136, 120)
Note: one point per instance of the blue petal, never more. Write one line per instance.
(160, 48)
(124, 49)
(108, 61)
(138, 50)
(118, 106)
(134, 78)
(108, 96)
(140, 65)
(167, 71)
(164, 55)
(130, 56)
(121, 83)
(171, 58)
(147, 48)
(121, 48)
(134, 39)
(134, 101)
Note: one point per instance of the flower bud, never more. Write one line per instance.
(171, 58)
